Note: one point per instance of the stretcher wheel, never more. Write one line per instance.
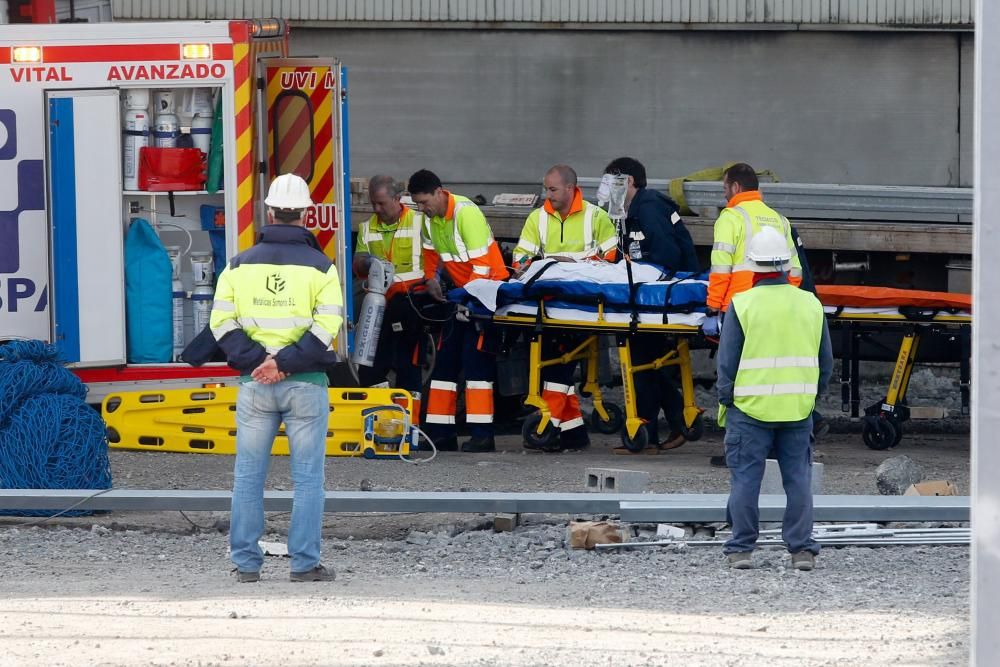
(638, 442)
(880, 433)
(615, 420)
(547, 440)
(695, 430)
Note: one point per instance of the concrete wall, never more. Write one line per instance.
(499, 107)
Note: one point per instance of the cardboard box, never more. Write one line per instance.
(937, 487)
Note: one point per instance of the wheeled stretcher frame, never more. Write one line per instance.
(882, 423)
(606, 418)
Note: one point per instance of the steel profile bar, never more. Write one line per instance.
(683, 508)
(712, 508)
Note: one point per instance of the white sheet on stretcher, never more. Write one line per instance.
(690, 319)
(878, 311)
(485, 291)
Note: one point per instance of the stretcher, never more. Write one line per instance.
(546, 303)
(865, 318)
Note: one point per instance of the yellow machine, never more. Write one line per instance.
(374, 423)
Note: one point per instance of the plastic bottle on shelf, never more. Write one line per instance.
(177, 293)
(166, 127)
(135, 132)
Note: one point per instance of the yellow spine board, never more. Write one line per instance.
(204, 421)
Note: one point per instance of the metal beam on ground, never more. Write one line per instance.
(712, 508)
(631, 507)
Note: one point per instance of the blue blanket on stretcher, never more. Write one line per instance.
(685, 293)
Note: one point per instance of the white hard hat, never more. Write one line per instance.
(288, 191)
(768, 250)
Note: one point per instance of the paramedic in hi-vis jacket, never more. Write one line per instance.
(774, 357)
(458, 243)
(278, 307)
(565, 228)
(392, 234)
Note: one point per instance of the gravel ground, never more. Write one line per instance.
(153, 589)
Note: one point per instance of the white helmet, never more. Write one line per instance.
(769, 251)
(288, 191)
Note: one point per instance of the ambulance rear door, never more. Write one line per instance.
(302, 131)
(85, 207)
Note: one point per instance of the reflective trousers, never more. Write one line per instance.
(461, 351)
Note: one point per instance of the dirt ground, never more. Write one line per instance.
(424, 589)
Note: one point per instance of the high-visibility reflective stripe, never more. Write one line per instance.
(556, 387)
(779, 362)
(775, 389)
(588, 227)
(478, 384)
(372, 238)
(571, 424)
(417, 264)
(224, 306)
(463, 253)
(403, 233)
(426, 245)
(275, 322)
(324, 336)
(794, 272)
(224, 328)
(440, 419)
(608, 245)
(637, 236)
(675, 217)
(481, 270)
(526, 245)
(721, 268)
(543, 229)
(724, 247)
(478, 252)
(408, 275)
(328, 310)
(441, 385)
(478, 419)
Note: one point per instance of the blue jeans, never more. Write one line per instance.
(748, 442)
(260, 410)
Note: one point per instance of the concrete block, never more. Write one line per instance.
(616, 480)
(771, 484)
(505, 523)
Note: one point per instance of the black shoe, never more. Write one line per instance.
(575, 438)
(479, 445)
(718, 461)
(821, 427)
(247, 577)
(318, 573)
(449, 444)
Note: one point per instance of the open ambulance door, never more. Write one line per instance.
(87, 297)
(302, 121)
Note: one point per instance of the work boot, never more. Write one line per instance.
(575, 438)
(718, 461)
(821, 426)
(449, 444)
(673, 441)
(318, 573)
(741, 560)
(479, 444)
(804, 561)
(247, 577)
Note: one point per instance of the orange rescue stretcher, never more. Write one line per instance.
(863, 319)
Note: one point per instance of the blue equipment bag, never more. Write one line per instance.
(148, 307)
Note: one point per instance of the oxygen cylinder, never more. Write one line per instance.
(201, 132)
(201, 301)
(177, 301)
(166, 127)
(369, 326)
(136, 135)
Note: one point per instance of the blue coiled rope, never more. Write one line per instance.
(49, 437)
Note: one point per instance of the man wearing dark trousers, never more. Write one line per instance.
(774, 357)
(655, 233)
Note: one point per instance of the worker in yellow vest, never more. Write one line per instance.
(774, 358)
(567, 228)
(744, 216)
(392, 234)
(458, 244)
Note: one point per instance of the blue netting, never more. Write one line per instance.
(49, 437)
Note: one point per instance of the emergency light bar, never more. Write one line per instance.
(267, 27)
(196, 51)
(26, 54)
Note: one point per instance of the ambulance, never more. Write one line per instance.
(80, 107)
